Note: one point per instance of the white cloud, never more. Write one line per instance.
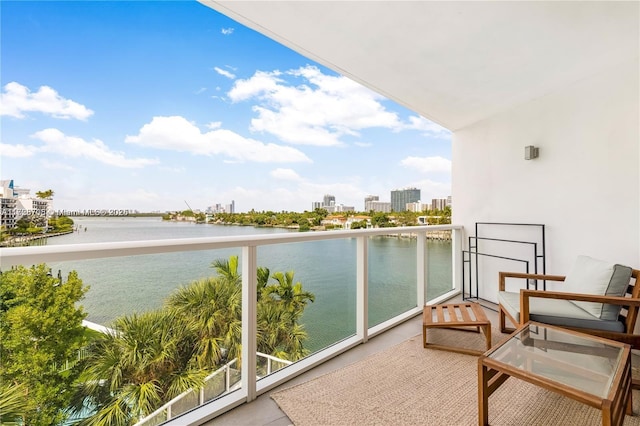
(285, 174)
(214, 125)
(426, 126)
(363, 144)
(177, 134)
(262, 83)
(71, 146)
(224, 73)
(318, 111)
(430, 189)
(200, 90)
(98, 198)
(55, 165)
(17, 151)
(227, 31)
(172, 169)
(17, 99)
(428, 164)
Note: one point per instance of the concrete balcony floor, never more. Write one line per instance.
(264, 411)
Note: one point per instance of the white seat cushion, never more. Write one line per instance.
(556, 312)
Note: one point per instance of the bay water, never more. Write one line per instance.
(125, 285)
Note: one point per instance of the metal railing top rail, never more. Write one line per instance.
(12, 256)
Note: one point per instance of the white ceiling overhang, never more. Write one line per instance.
(452, 62)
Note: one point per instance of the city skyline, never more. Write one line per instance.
(146, 105)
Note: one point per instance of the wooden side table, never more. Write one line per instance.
(459, 316)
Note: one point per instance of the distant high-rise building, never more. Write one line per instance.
(369, 198)
(438, 203)
(316, 205)
(401, 197)
(417, 207)
(328, 200)
(377, 206)
(219, 208)
(342, 208)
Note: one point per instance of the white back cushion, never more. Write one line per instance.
(593, 276)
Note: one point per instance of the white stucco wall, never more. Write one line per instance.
(584, 187)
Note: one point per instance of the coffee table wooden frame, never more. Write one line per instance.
(459, 316)
(492, 374)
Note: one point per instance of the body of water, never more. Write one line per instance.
(124, 285)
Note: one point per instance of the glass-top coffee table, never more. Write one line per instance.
(586, 368)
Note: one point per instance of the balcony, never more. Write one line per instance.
(361, 289)
(264, 411)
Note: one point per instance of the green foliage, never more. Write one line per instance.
(40, 328)
(13, 404)
(306, 220)
(380, 220)
(304, 226)
(362, 224)
(45, 194)
(34, 230)
(303, 220)
(146, 361)
(60, 224)
(22, 226)
(153, 357)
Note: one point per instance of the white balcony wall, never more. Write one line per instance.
(585, 185)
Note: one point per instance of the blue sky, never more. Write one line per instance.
(145, 105)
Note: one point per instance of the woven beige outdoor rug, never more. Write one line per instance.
(410, 385)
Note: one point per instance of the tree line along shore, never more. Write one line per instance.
(32, 228)
(319, 219)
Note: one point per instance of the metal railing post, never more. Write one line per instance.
(362, 289)
(249, 322)
(456, 259)
(421, 265)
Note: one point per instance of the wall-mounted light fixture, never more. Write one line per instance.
(530, 152)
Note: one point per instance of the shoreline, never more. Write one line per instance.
(24, 240)
(437, 235)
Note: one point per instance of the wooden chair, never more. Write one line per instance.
(628, 315)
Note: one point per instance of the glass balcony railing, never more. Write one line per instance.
(355, 284)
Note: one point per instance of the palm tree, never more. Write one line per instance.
(132, 371)
(45, 194)
(212, 307)
(292, 296)
(14, 404)
(282, 305)
(263, 275)
(228, 269)
(152, 357)
(278, 333)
